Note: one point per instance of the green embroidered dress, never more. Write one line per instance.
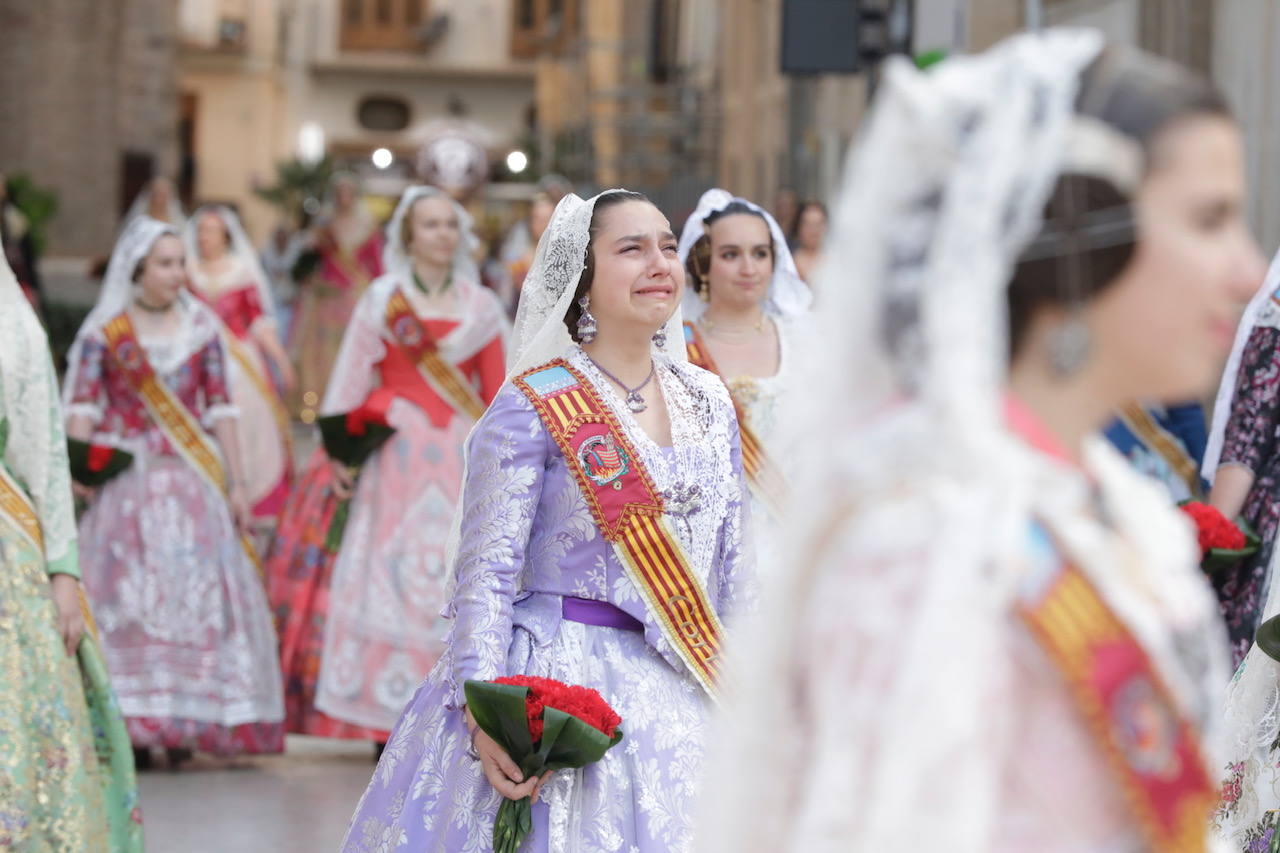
(66, 767)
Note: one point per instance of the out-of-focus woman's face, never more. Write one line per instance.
(163, 273)
(741, 267)
(344, 195)
(813, 229)
(435, 232)
(161, 196)
(211, 236)
(1171, 317)
(540, 217)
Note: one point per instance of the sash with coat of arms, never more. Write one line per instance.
(629, 512)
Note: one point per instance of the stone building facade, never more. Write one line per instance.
(88, 104)
(357, 75)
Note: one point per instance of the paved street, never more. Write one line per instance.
(298, 802)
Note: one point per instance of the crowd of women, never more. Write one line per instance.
(858, 572)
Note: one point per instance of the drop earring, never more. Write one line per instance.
(586, 323)
(660, 338)
(1069, 346)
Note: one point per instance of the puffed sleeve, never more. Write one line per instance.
(506, 464)
(215, 388)
(1249, 439)
(88, 393)
(489, 369)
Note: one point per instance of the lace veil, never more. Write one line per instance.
(788, 295)
(904, 468)
(198, 323)
(239, 247)
(540, 334)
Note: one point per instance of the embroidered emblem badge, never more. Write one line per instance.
(603, 460)
(130, 355)
(407, 331)
(1146, 730)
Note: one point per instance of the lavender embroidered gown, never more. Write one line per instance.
(528, 541)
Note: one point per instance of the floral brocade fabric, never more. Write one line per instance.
(1250, 442)
(66, 770)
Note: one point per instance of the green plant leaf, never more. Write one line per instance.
(577, 743)
(348, 449)
(78, 461)
(499, 710)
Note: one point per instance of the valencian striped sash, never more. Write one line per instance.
(629, 512)
(763, 475)
(443, 377)
(1151, 748)
(17, 509)
(168, 412)
(264, 388)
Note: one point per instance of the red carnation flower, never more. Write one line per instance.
(1213, 529)
(99, 457)
(581, 702)
(373, 411)
(591, 730)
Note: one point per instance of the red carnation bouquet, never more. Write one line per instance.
(350, 439)
(544, 725)
(94, 465)
(1222, 542)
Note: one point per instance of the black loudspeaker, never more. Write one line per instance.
(843, 36)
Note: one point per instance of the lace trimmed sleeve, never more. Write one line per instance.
(87, 395)
(216, 390)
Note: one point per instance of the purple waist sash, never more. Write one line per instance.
(599, 613)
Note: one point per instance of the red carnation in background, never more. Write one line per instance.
(95, 465)
(1223, 542)
(372, 411)
(1214, 530)
(99, 457)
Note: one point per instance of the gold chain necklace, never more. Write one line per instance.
(711, 326)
